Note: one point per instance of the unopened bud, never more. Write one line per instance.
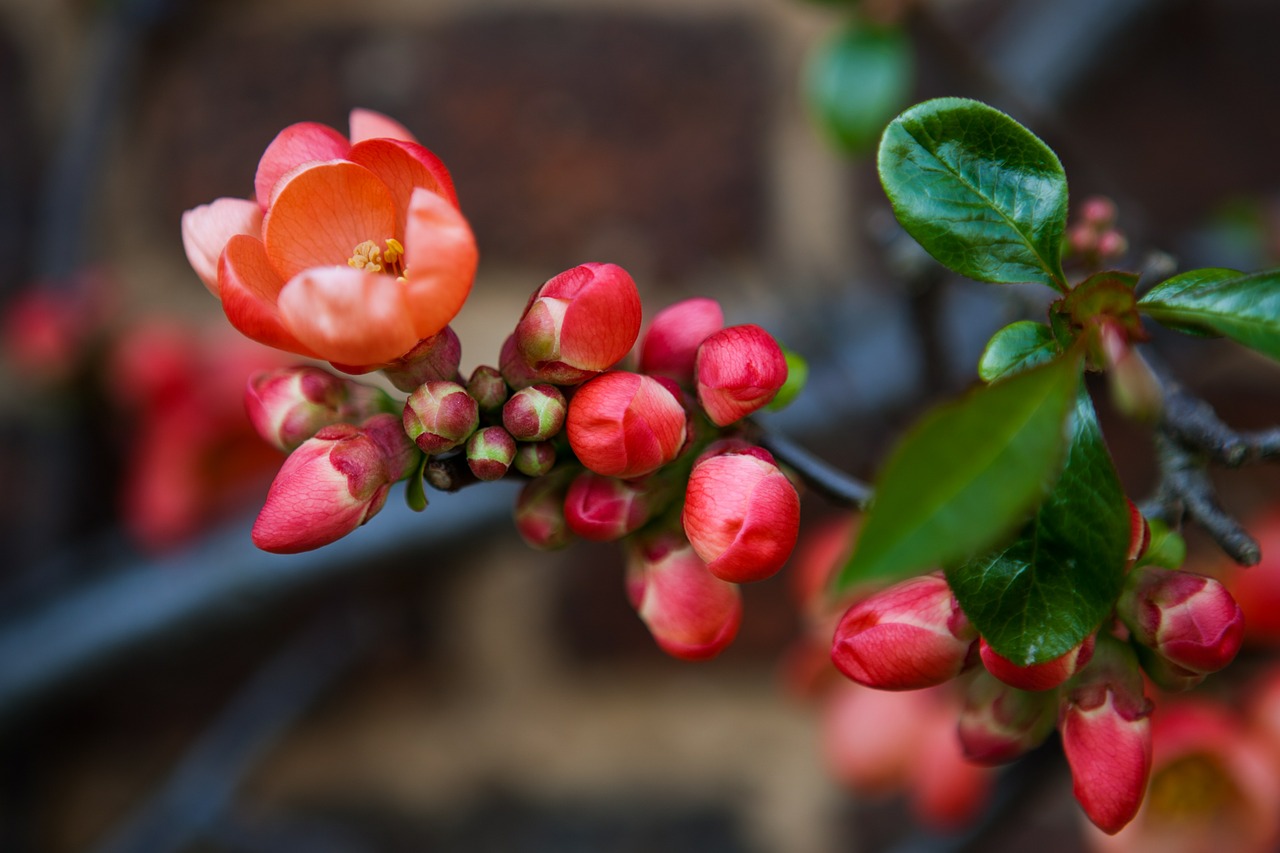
(1000, 723)
(535, 458)
(1037, 676)
(739, 371)
(487, 387)
(670, 346)
(1112, 244)
(434, 359)
(439, 416)
(1190, 620)
(539, 511)
(1098, 212)
(605, 508)
(1135, 390)
(906, 637)
(1139, 533)
(741, 514)
(691, 613)
(535, 413)
(289, 405)
(515, 371)
(626, 424)
(490, 452)
(580, 323)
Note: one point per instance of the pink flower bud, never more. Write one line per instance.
(1135, 390)
(1098, 212)
(1000, 723)
(289, 405)
(539, 511)
(488, 389)
(535, 413)
(605, 508)
(515, 371)
(580, 323)
(1106, 735)
(535, 458)
(333, 483)
(670, 347)
(739, 370)
(1190, 620)
(906, 637)
(1037, 676)
(1112, 244)
(434, 359)
(741, 514)
(490, 452)
(625, 424)
(440, 415)
(692, 614)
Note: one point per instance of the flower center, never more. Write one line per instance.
(371, 257)
(1191, 788)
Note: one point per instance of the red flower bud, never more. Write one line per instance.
(625, 424)
(289, 405)
(670, 347)
(490, 453)
(439, 416)
(1139, 533)
(333, 483)
(535, 413)
(535, 458)
(539, 511)
(488, 388)
(1037, 676)
(739, 370)
(580, 323)
(691, 613)
(434, 359)
(605, 508)
(741, 514)
(1190, 620)
(515, 371)
(906, 637)
(1106, 736)
(1000, 723)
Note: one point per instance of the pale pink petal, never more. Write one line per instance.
(305, 142)
(207, 228)
(440, 260)
(403, 167)
(322, 213)
(348, 316)
(249, 287)
(369, 124)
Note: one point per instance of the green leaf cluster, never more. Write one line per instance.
(1214, 301)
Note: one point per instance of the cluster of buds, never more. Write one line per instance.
(1094, 237)
(1175, 626)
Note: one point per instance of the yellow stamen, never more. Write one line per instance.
(1192, 788)
(373, 258)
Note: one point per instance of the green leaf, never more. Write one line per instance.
(1039, 596)
(797, 376)
(414, 493)
(966, 475)
(857, 81)
(1167, 547)
(977, 190)
(1245, 308)
(1015, 348)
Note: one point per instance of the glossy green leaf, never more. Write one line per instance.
(856, 82)
(1017, 347)
(1167, 547)
(1039, 596)
(967, 475)
(1245, 308)
(977, 190)
(414, 493)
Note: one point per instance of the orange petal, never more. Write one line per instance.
(368, 124)
(321, 213)
(404, 166)
(207, 228)
(305, 142)
(349, 316)
(441, 259)
(249, 287)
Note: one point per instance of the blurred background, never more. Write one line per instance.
(429, 683)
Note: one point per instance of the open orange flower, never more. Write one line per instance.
(353, 252)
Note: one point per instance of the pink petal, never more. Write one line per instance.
(441, 259)
(349, 316)
(249, 287)
(207, 228)
(403, 167)
(368, 124)
(321, 213)
(305, 142)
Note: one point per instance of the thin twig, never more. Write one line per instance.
(833, 484)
